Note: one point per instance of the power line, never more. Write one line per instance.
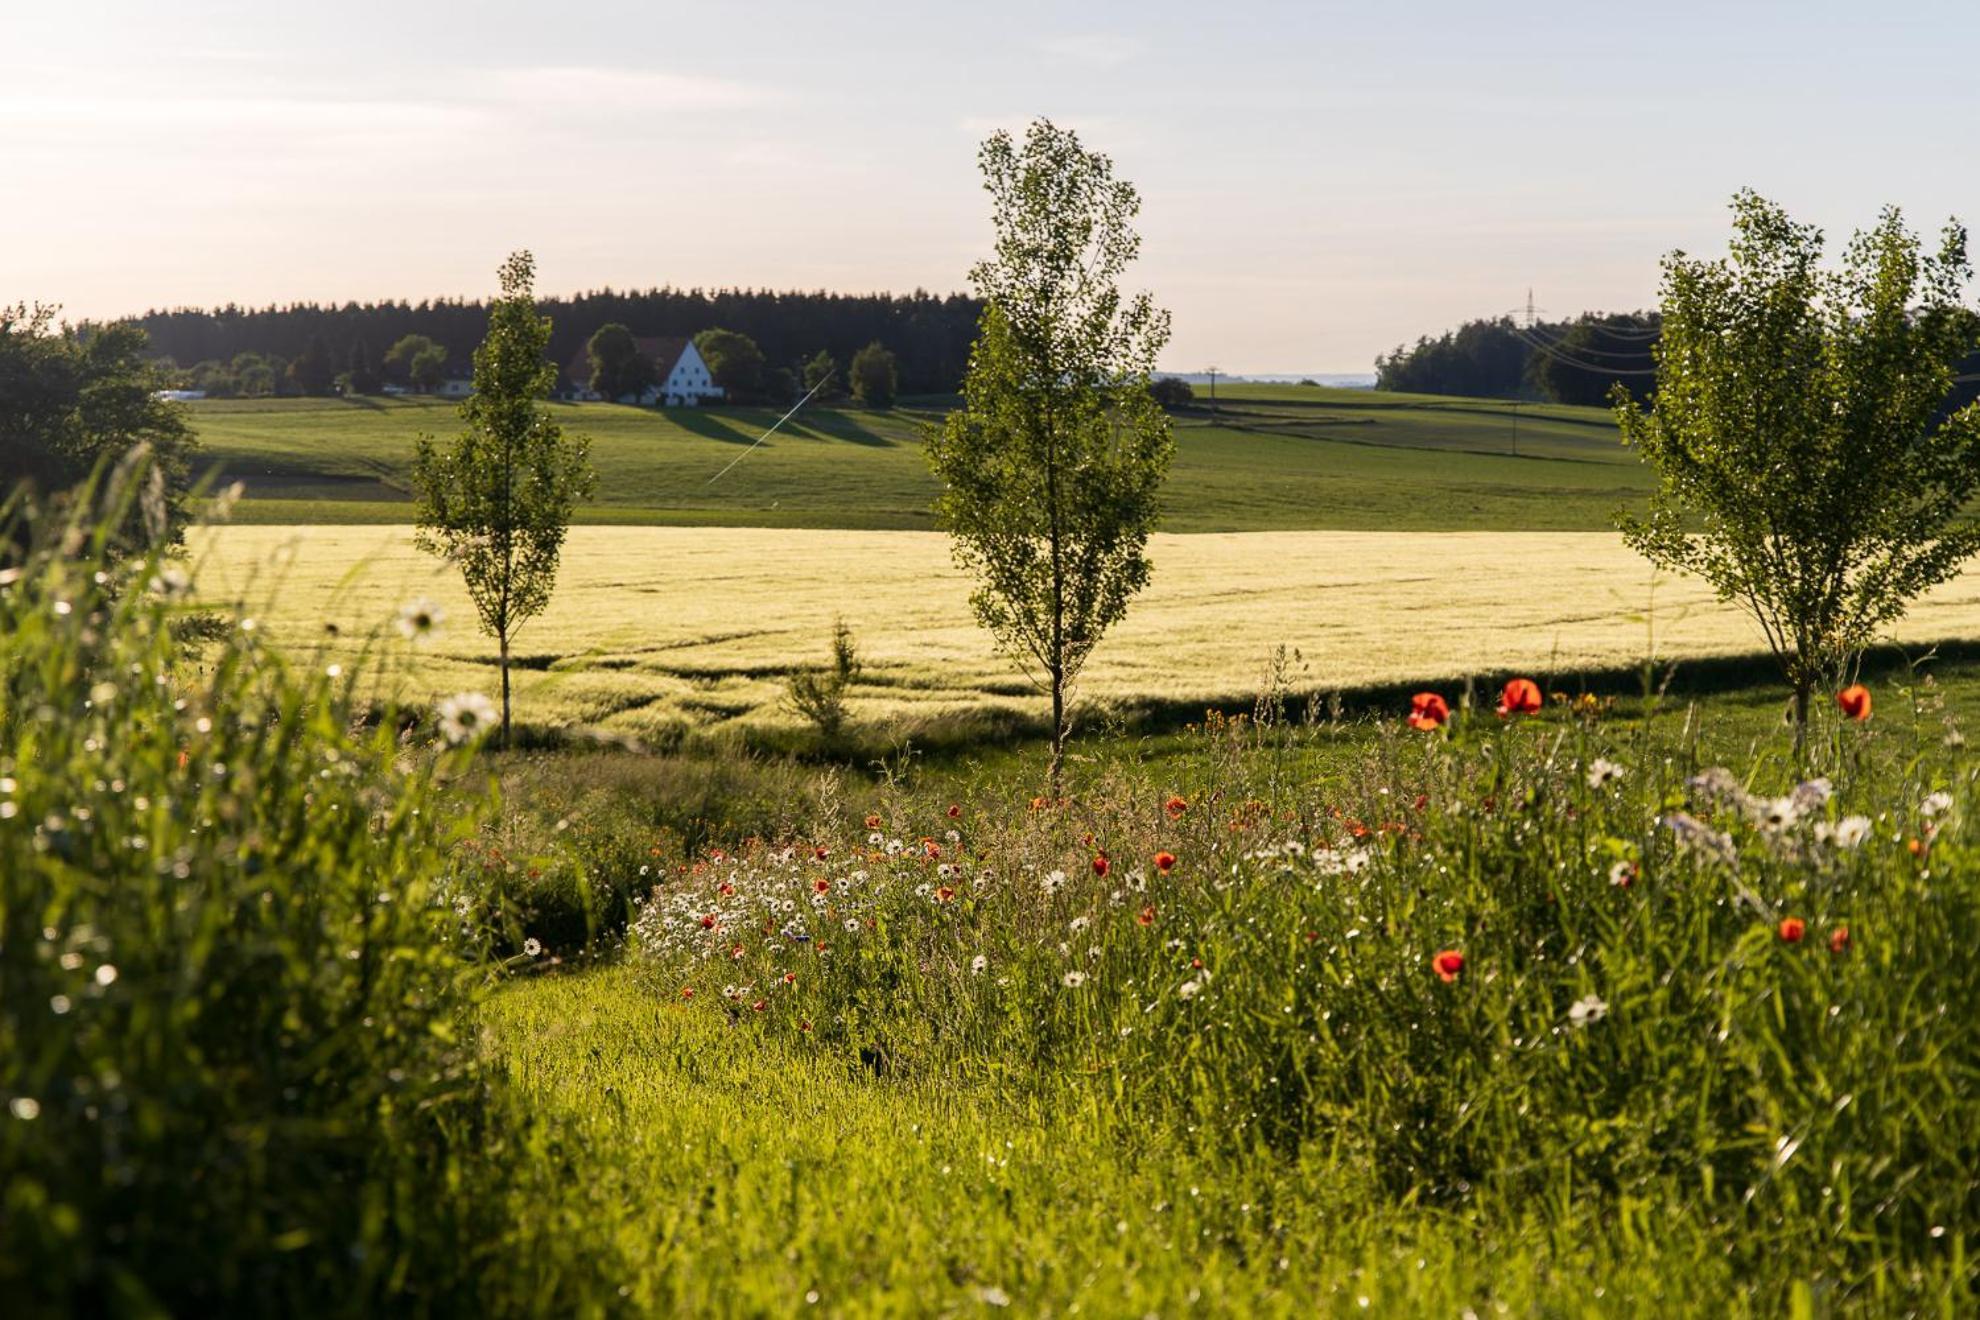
(773, 426)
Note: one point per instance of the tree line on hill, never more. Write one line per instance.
(1577, 362)
(309, 348)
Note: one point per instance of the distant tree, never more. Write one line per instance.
(361, 372)
(497, 502)
(1171, 392)
(1481, 359)
(71, 401)
(1585, 361)
(821, 369)
(313, 372)
(428, 368)
(820, 696)
(618, 368)
(875, 376)
(780, 385)
(1051, 468)
(1806, 466)
(256, 376)
(734, 362)
(399, 357)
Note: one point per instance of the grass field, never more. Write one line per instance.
(653, 630)
(1268, 458)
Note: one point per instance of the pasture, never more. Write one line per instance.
(655, 630)
(1267, 458)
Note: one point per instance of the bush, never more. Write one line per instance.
(820, 696)
(236, 1068)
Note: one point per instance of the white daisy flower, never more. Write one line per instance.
(465, 717)
(978, 965)
(1074, 980)
(1935, 804)
(532, 947)
(1585, 1012)
(420, 619)
(1602, 772)
(1188, 989)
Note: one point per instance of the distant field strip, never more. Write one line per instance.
(659, 627)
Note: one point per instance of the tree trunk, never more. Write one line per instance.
(1058, 730)
(505, 691)
(1802, 689)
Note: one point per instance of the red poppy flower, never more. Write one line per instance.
(823, 852)
(1448, 964)
(790, 978)
(1146, 916)
(1854, 701)
(1520, 697)
(955, 811)
(932, 848)
(1427, 710)
(1839, 940)
(1101, 865)
(1165, 862)
(944, 894)
(736, 951)
(804, 1026)
(1196, 964)
(726, 890)
(1792, 929)
(708, 922)
(1038, 804)
(1175, 806)
(873, 822)
(821, 885)
(759, 1005)
(687, 992)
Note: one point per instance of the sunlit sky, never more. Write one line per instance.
(1320, 181)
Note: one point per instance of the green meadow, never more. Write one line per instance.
(1266, 458)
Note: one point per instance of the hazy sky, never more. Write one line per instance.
(1320, 181)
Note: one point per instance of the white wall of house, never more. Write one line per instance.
(688, 382)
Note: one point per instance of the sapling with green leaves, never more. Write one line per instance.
(1052, 467)
(497, 502)
(1807, 465)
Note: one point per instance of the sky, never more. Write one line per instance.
(1320, 182)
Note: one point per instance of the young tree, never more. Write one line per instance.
(1051, 468)
(618, 368)
(497, 502)
(875, 376)
(734, 362)
(428, 368)
(820, 368)
(72, 400)
(399, 357)
(1805, 465)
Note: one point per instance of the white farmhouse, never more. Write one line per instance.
(680, 377)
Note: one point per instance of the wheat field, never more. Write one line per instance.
(658, 629)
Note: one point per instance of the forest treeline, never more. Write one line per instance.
(929, 334)
(1576, 361)
(1579, 361)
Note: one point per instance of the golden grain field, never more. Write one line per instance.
(656, 627)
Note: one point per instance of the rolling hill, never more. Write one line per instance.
(1268, 457)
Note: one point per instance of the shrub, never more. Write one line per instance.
(236, 1071)
(820, 697)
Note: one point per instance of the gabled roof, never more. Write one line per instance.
(663, 351)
